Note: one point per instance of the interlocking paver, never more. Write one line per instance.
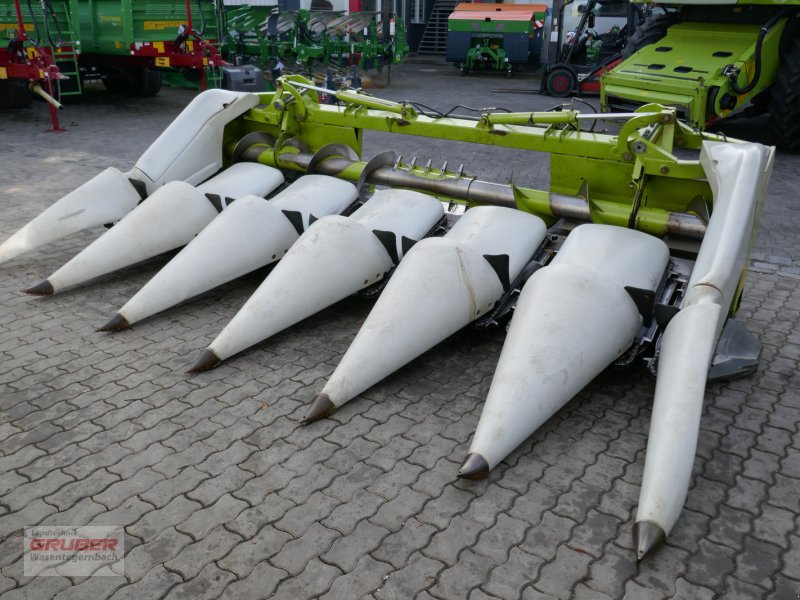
(206, 585)
(558, 577)
(154, 552)
(393, 513)
(347, 550)
(192, 558)
(251, 520)
(38, 588)
(368, 575)
(300, 518)
(396, 548)
(155, 521)
(92, 587)
(294, 555)
(461, 533)
(263, 545)
(157, 581)
(419, 574)
(315, 579)
(261, 583)
(22, 496)
(200, 524)
(164, 491)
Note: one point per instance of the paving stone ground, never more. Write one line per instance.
(223, 495)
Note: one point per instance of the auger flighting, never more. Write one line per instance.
(631, 252)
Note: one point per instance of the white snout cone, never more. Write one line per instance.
(168, 219)
(250, 233)
(442, 285)
(573, 318)
(190, 149)
(738, 174)
(335, 258)
(104, 199)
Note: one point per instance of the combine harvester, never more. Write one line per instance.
(631, 253)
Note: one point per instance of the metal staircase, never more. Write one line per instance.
(65, 55)
(434, 39)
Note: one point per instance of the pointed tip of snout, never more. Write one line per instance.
(474, 467)
(115, 323)
(647, 537)
(43, 288)
(321, 407)
(207, 361)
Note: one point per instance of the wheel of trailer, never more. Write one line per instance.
(145, 82)
(14, 93)
(648, 32)
(784, 103)
(560, 82)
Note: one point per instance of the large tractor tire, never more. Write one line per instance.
(14, 94)
(649, 32)
(784, 102)
(145, 82)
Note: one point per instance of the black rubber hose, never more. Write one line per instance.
(222, 22)
(757, 56)
(35, 25)
(48, 15)
(202, 18)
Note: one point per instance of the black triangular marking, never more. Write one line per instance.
(664, 313)
(228, 201)
(500, 264)
(389, 241)
(406, 244)
(311, 219)
(644, 300)
(296, 219)
(139, 186)
(216, 201)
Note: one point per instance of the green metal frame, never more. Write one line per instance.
(632, 179)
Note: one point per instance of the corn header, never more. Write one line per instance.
(637, 250)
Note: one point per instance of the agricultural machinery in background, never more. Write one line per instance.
(495, 37)
(125, 44)
(715, 61)
(638, 250)
(27, 64)
(584, 55)
(302, 41)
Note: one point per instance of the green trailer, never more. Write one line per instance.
(715, 62)
(125, 43)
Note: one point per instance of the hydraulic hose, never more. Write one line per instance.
(48, 14)
(35, 25)
(757, 56)
(202, 18)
